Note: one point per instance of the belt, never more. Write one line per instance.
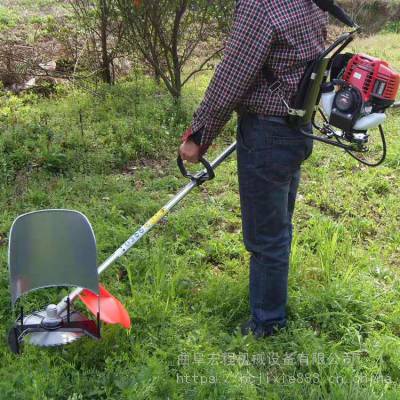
(272, 118)
(265, 117)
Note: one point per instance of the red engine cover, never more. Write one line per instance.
(373, 77)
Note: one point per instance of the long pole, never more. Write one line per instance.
(154, 220)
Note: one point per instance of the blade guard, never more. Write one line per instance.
(111, 310)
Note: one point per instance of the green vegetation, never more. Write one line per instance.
(393, 27)
(78, 132)
(8, 18)
(111, 156)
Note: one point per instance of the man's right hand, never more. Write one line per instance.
(190, 151)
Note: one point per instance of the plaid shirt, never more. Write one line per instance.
(280, 36)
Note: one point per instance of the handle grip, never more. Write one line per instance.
(200, 177)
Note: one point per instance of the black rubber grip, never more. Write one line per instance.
(210, 174)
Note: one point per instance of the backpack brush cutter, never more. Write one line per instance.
(350, 93)
(53, 248)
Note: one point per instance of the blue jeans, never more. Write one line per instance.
(269, 155)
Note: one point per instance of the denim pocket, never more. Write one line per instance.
(288, 150)
(251, 134)
(309, 147)
(253, 144)
(285, 160)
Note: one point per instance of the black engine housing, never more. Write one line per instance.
(346, 108)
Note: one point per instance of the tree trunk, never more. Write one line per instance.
(177, 77)
(105, 60)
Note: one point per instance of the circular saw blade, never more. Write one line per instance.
(51, 337)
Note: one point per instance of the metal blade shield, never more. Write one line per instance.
(52, 248)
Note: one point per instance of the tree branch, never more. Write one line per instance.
(201, 67)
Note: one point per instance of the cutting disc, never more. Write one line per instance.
(51, 338)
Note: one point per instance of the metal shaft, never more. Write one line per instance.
(62, 305)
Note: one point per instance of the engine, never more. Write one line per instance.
(356, 99)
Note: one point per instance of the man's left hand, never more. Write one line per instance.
(190, 151)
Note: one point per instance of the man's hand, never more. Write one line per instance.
(190, 151)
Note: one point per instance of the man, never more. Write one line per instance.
(270, 44)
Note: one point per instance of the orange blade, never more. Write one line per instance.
(111, 309)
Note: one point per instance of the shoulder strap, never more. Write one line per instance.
(336, 11)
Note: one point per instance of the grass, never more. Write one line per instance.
(8, 18)
(185, 285)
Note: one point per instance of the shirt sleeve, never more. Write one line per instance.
(245, 54)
